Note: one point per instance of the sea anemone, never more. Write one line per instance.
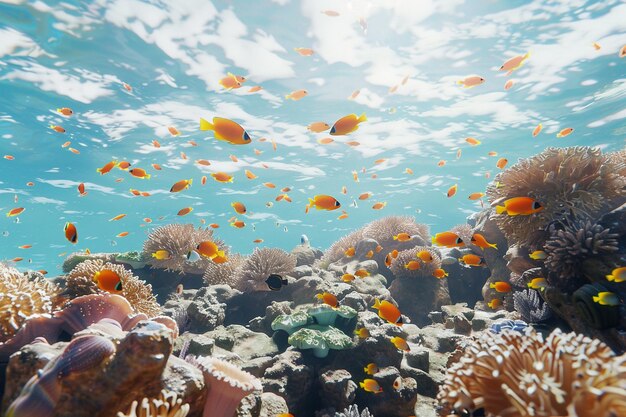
(426, 269)
(531, 307)
(568, 248)
(571, 183)
(166, 405)
(336, 251)
(258, 266)
(224, 273)
(139, 294)
(178, 240)
(21, 299)
(227, 385)
(516, 375)
(383, 230)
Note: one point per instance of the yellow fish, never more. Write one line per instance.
(537, 283)
(606, 298)
(618, 275)
(226, 130)
(538, 255)
(371, 368)
(161, 255)
(347, 124)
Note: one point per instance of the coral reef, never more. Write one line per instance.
(224, 273)
(166, 405)
(260, 264)
(80, 281)
(571, 183)
(531, 307)
(336, 251)
(178, 240)
(384, 229)
(426, 269)
(353, 411)
(517, 375)
(22, 299)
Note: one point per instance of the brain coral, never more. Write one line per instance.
(516, 375)
(178, 240)
(22, 298)
(571, 183)
(258, 266)
(139, 294)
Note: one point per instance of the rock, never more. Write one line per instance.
(302, 271)
(243, 342)
(200, 345)
(425, 383)
(289, 377)
(436, 317)
(355, 300)
(479, 324)
(416, 297)
(306, 255)
(250, 406)
(272, 405)
(257, 366)
(390, 402)
(363, 247)
(462, 325)
(337, 388)
(464, 283)
(221, 292)
(425, 407)
(518, 260)
(417, 358)
(205, 312)
(457, 309)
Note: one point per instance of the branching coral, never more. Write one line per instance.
(258, 266)
(178, 240)
(167, 405)
(426, 269)
(385, 229)
(517, 375)
(80, 281)
(21, 299)
(569, 247)
(353, 411)
(337, 249)
(227, 385)
(570, 183)
(224, 273)
(531, 307)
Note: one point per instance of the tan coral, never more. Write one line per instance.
(383, 230)
(336, 251)
(137, 292)
(398, 265)
(258, 266)
(224, 273)
(516, 375)
(22, 298)
(571, 183)
(166, 405)
(178, 240)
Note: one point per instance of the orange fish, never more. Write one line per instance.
(183, 155)
(9, 157)
(123, 234)
(370, 385)
(70, 232)
(343, 215)
(30, 184)
(408, 171)
(74, 151)
(209, 249)
(439, 273)
(347, 124)
(622, 51)
(57, 128)
(472, 81)
(255, 88)
(328, 298)
(441, 163)
(214, 225)
(492, 153)
(108, 281)
(353, 143)
(232, 81)
(106, 168)
(354, 94)
(147, 220)
(379, 205)
(402, 237)
(139, 173)
(458, 154)
(502, 163)
(400, 343)
(222, 177)
(362, 332)
(233, 158)
(323, 202)
(448, 239)
(192, 143)
(156, 144)
(565, 132)
(269, 185)
(520, 205)
(145, 194)
(238, 224)
(476, 196)
(347, 278)
(127, 87)
(344, 190)
(495, 303)
(135, 192)
(15, 211)
(250, 175)
(296, 95)
(537, 130)
(181, 185)
(157, 167)
(239, 207)
(65, 111)
(203, 180)
(388, 311)
(173, 130)
(355, 176)
(452, 190)
(500, 286)
(365, 196)
(185, 211)
(304, 51)
(123, 165)
(226, 130)
(514, 63)
(325, 141)
(425, 256)
(379, 161)
(480, 241)
(118, 217)
(412, 265)
(203, 162)
(362, 273)
(472, 141)
(257, 241)
(25, 246)
(472, 260)
(349, 252)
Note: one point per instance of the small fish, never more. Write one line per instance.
(388, 311)
(147, 220)
(257, 241)
(352, 143)
(476, 196)
(239, 224)
(203, 162)
(371, 368)
(347, 124)
(400, 343)
(514, 63)
(9, 157)
(362, 332)
(425, 256)
(452, 191)
(441, 163)
(57, 128)
(617, 275)
(448, 239)
(70, 232)
(296, 95)
(408, 171)
(330, 13)
(208, 249)
(74, 151)
(222, 177)
(156, 143)
(233, 158)
(362, 273)
(494, 303)
(622, 51)
(255, 88)
(439, 273)
(520, 206)
(127, 87)
(354, 94)
(501, 163)
(318, 127)
(472, 260)
(472, 141)
(275, 282)
(388, 260)
(203, 180)
(379, 205)
(412, 265)
(123, 234)
(108, 281)
(325, 141)
(118, 217)
(365, 196)
(231, 81)
(107, 168)
(25, 246)
(537, 283)
(348, 277)
(184, 211)
(369, 254)
(378, 248)
(226, 130)
(349, 252)
(480, 241)
(508, 84)
(492, 153)
(537, 130)
(538, 255)
(15, 212)
(173, 131)
(370, 385)
(304, 51)
(565, 132)
(328, 298)
(139, 173)
(606, 298)
(161, 255)
(471, 81)
(323, 202)
(65, 111)
(193, 256)
(250, 175)
(238, 207)
(181, 185)
(500, 286)
(402, 237)
(269, 185)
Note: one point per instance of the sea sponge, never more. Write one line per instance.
(426, 268)
(336, 251)
(21, 299)
(178, 240)
(515, 375)
(257, 267)
(571, 183)
(568, 248)
(167, 405)
(139, 294)
(227, 385)
(224, 273)
(531, 307)
(320, 339)
(383, 230)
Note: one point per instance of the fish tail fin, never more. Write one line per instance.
(445, 274)
(500, 209)
(362, 118)
(432, 239)
(99, 170)
(148, 176)
(190, 181)
(365, 369)
(205, 125)
(492, 285)
(308, 206)
(610, 278)
(395, 237)
(287, 96)
(319, 296)
(362, 385)
(460, 82)
(376, 304)
(493, 245)
(596, 299)
(526, 55)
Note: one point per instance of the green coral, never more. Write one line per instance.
(320, 339)
(291, 322)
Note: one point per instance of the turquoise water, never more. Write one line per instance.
(173, 54)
